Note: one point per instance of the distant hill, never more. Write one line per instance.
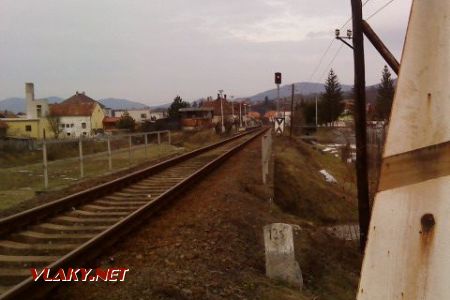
(304, 88)
(115, 103)
(17, 104)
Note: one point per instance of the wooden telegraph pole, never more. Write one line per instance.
(360, 122)
(292, 110)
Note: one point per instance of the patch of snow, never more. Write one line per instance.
(328, 177)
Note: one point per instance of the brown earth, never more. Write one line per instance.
(209, 245)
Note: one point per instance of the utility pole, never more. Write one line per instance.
(360, 122)
(245, 114)
(381, 48)
(292, 111)
(240, 114)
(221, 110)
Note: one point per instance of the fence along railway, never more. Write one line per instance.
(73, 230)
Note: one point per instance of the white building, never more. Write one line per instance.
(139, 115)
(78, 116)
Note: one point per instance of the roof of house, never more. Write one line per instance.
(77, 105)
(110, 119)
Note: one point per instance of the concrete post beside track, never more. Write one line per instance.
(280, 254)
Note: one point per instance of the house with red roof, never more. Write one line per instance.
(78, 115)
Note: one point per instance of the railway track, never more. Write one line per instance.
(71, 231)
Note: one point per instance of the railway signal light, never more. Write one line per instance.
(277, 78)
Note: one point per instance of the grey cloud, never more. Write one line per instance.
(153, 50)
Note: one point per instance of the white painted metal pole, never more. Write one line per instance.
(109, 154)
(278, 100)
(80, 148)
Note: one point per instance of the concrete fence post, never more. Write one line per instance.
(129, 149)
(146, 144)
(80, 148)
(159, 137)
(170, 138)
(44, 157)
(109, 154)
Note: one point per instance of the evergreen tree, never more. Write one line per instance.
(173, 110)
(126, 122)
(331, 105)
(385, 95)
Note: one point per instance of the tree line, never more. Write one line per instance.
(331, 106)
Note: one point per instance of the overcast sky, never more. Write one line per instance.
(150, 51)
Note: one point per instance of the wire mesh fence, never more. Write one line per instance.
(60, 163)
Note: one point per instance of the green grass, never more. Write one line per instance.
(301, 190)
(330, 266)
(21, 183)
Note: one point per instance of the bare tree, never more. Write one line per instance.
(54, 123)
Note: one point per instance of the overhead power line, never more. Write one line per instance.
(349, 19)
(331, 62)
(380, 9)
(329, 47)
(321, 59)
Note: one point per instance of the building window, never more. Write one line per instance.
(62, 125)
(84, 133)
(83, 125)
(27, 127)
(67, 125)
(39, 110)
(71, 125)
(68, 134)
(143, 116)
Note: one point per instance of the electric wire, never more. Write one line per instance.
(380, 9)
(332, 60)
(329, 47)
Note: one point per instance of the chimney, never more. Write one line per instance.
(225, 96)
(29, 91)
(29, 96)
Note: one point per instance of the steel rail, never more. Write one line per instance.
(14, 222)
(96, 245)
